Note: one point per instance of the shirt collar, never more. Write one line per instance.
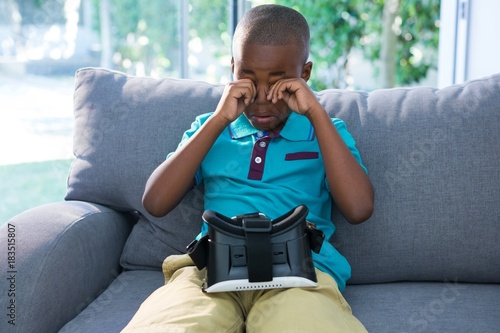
(297, 128)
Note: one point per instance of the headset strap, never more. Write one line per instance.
(259, 249)
(198, 250)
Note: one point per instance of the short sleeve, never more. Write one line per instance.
(349, 141)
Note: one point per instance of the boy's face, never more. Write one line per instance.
(265, 65)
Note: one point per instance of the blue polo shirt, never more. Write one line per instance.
(247, 170)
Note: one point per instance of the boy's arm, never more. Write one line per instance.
(172, 179)
(168, 184)
(350, 186)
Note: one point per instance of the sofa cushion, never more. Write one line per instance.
(411, 307)
(382, 308)
(114, 308)
(432, 156)
(124, 128)
(153, 239)
(433, 159)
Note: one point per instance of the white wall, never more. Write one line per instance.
(484, 39)
(469, 41)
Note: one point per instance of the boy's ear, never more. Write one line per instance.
(306, 71)
(232, 65)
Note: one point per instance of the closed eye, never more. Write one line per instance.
(280, 74)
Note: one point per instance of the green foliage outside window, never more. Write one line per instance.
(143, 33)
(340, 26)
(399, 37)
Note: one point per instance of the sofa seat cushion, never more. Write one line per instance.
(382, 308)
(426, 307)
(114, 308)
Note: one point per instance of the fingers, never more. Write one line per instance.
(283, 88)
(243, 90)
(295, 93)
(275, 93)
(236, 97)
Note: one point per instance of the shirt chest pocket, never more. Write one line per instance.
(302, 155)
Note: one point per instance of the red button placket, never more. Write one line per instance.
(258, 158)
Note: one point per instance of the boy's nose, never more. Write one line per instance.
(261, 97)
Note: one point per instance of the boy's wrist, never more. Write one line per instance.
(316, 113)
(219, 120)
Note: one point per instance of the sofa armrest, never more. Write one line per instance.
(56, 259)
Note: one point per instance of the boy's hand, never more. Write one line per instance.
(236, 97)
(295, 93)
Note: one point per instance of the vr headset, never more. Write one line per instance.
(250, 251)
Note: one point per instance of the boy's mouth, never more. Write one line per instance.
(262, 119)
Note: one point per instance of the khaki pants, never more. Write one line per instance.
(181, 306)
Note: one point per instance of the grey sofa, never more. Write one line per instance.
(427, 261)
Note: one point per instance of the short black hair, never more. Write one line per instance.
(272, 25)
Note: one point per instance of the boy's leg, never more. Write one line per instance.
(181, 306)
(320, 309)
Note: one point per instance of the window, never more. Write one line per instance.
(188, 39)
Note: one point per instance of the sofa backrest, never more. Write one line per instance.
(432, 156)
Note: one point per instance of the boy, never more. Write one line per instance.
(269, 146)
